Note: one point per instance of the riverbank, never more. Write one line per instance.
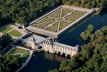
(39, 63)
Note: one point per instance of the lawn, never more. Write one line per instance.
(10, 30)
(19, 57)
(20, 52)
(5, 29)
(15, 33)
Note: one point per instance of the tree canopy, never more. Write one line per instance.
(9, 63)
(24, 11)
(87, 3)
(5, 40)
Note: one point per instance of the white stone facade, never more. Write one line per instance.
(51, 46)
(58, 47)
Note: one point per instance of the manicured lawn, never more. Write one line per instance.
(10, 30)
(20, 52)
(5, 29)
(15, 33)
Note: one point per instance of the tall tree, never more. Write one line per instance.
(5, 40)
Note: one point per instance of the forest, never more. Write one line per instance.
(24, 11)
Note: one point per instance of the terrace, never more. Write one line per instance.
(57, 20)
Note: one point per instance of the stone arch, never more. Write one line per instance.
(55, 53)
(40, 47)
(63, 55)
(48, 52)
(68, 56)
(59, 53)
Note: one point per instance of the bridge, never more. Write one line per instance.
(55, 47)
(38, 43)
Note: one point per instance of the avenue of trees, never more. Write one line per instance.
(93, 55)
(24, 11)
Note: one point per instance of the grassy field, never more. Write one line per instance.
(15, 33)
(62, 16)
(10, 30)
(22, 54)
(5, 29)
(19, 52)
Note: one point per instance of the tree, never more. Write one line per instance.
(5, 40)
(8, 63)
(88, 34)
(65, 66)
(24, 11)
(87, 3)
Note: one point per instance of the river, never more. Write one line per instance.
(39, 63)
(72, 35)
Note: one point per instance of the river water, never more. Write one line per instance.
(72, 35)
(39, 63)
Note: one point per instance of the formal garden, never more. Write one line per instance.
(13, 59)
(58, 19)
(10, 30)
(21, 52)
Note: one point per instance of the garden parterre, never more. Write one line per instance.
(10, 30)
(58, 19)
